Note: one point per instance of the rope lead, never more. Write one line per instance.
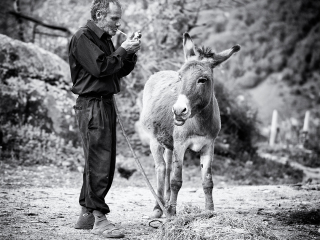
(138, 161)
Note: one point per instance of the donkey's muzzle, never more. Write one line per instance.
(178, 121)
(181, 110)
(180, 115)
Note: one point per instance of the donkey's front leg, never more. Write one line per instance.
(206, 158)
(176, 179)
(168, 159)
(157, 153)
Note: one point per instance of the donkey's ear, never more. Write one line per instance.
(224, 55)
(188, 47)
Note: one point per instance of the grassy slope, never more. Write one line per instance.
(278, 63)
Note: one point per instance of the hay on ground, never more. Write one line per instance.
(193, 224)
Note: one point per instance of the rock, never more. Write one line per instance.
(126, 167)
(38, 82)
(30, 61)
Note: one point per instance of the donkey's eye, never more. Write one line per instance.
(202, 80)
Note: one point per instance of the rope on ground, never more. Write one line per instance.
(154, 221)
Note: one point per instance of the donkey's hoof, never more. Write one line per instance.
(157, 213)
(210, 207)
(171, 211)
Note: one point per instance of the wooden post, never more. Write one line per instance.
(306, 122)
(273, 130)
(305, 129)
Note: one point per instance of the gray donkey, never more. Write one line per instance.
(180, 112)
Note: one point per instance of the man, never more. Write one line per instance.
(96, 67)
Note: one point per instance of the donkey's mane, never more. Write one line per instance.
(205, 52)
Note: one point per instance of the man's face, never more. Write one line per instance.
(110, 22)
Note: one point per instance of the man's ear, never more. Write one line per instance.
(98, 15)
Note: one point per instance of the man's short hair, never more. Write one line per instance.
(102, 6)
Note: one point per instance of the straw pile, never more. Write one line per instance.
(193, 224)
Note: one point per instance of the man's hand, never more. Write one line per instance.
(135, 36)
(131, 45)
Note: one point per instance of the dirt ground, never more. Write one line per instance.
(41, 202)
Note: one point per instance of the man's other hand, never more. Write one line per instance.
(131, 46)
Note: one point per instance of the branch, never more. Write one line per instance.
(54, 27)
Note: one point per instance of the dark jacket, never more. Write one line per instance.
(96, 67)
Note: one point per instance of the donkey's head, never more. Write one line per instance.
(197, 79)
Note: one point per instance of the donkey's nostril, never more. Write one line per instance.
(184, 111)
(180, 111)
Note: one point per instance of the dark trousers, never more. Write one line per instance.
(97, 123)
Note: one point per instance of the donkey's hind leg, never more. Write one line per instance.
(206, 158)
(168, 158)
(160, 167)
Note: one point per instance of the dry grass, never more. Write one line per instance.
(193, 224)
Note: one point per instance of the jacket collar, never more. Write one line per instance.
(98, 31)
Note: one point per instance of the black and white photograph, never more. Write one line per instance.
(160, 120)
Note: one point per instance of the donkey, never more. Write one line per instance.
(180, 112)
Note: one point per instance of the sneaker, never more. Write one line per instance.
(85, 220)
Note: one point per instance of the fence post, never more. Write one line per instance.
(305, 129)
(273, 130)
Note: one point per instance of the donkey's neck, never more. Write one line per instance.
(208, 119)
(206, 113)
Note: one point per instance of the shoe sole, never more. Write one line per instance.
(83, 227)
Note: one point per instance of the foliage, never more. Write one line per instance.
(285, 47)
(163, 25)
(30, 145)
(28, 134)
(33, 98)
(21, 107)
(255, 170)
(239, 124)
(278, 39)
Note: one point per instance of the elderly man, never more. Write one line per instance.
(96, 68)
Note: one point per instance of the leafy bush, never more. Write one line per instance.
(238, 122)
(34, 108)
(32, 145)
(255, 170)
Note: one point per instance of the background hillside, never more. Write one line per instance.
(278, 66)
(279, 62)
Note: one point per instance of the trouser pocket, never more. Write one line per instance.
(98, 117)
